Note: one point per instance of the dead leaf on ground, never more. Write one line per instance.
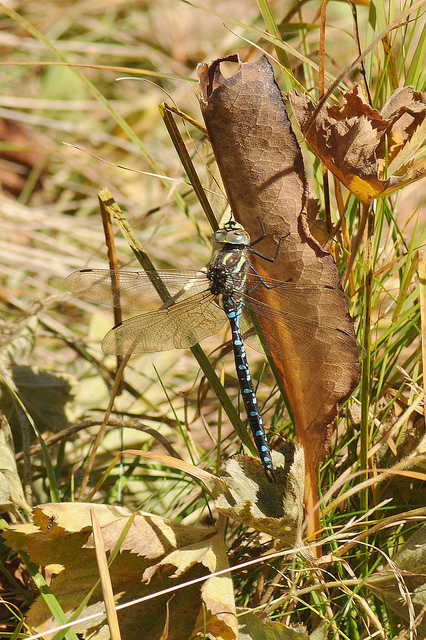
(261, 165)
(246, 495)
(402, 586)
(276, 510)
(47, 396)
(156, 554)
(11, 492)
(255, 625)
(217, 595)
(372, 153)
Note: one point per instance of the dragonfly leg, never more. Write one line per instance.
(263, 283)
(262, 237)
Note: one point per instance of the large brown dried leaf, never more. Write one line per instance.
(371, 153)
(262, 170)
(156, 554)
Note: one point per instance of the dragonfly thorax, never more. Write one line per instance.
(227, 271)
(229, 263)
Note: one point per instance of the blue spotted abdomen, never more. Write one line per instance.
(233, 311)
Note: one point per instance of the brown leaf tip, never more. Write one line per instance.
(211, 76)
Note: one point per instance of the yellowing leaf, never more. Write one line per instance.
(218, 613)
(156, 554)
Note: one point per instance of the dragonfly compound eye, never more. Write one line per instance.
(237, 237)
(220, 236)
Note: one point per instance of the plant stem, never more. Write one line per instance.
(366, 362)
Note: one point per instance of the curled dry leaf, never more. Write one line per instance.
(155, 554)
(245, 494)
(261, 165)
(372, 153)
(276, 510)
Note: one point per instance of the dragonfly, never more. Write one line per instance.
(192, 305)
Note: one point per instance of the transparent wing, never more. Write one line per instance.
(303, 313)
(176, 327)
(293, 303)
(138, 289)
(300, 310)
(133, 290)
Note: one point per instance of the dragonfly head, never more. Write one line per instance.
(232, 233)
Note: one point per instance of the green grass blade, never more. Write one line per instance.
(50, 600)
(50, 472)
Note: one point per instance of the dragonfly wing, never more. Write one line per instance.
(292, 302)
(133, 289)
(178, 326)
(297, 313)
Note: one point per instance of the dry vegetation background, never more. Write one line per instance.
(66, 133)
